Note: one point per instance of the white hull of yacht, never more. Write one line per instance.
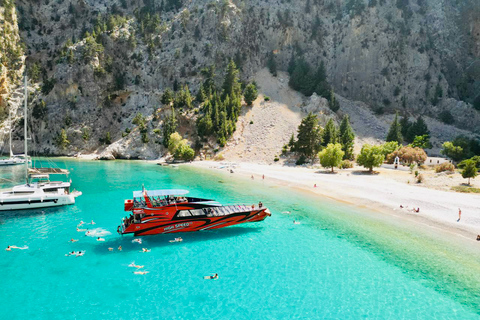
(23, 203)
(11, 162)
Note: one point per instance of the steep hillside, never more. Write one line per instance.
(98, 64)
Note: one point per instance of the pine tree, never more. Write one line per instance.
(333, 103)
(347, 137)
(250, 94)
(309, 136)
(395, 131)
(167, 96)
(418, 128)
(201, 97)
(169, 127)
(330, 133)
(272, 64)
(405, 125)
(231, 83)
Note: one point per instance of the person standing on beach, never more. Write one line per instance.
(459, 214)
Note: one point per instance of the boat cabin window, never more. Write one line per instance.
(23, 192)
(189, 213)
(184, 213)
(197, 212)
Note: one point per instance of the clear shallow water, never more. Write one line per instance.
(338, 263)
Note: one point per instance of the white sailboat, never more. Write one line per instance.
(38, 191)
(13, 159)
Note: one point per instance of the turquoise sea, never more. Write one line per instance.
(341, 262)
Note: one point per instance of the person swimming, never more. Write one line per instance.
(119, 248)
(140, 272)
(177, 240)
(145, 250)
(100, 239)
(73, 240)
(133, 265)
(80, 253)
(110, 249)
(296, 222)
(214, 277)
(139, 241)
(92, 222)
(15, 247)
(80, 224)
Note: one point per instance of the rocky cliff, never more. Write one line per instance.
(96, 64)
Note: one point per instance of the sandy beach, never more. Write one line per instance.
(378, 192)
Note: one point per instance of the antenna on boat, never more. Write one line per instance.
(25, 127)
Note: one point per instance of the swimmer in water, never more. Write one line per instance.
(81, 230)
(140, 272)
(133, 265)
(15, 247)
(70, 254)
(73, 240)
(296, 222)
(80, 224)
(8, 248)
(145, 250)
(100, 239)
(177, 240)
(110, 249)
(80, 253)
(119, 248)
(214, 277)
(92, 222)
(139, 241)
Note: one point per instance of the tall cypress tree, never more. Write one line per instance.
(395, 131)
(347, 137)
(330, 133)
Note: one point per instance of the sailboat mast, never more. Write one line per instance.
(10, 139)
(25, 131)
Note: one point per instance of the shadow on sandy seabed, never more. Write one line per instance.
(163, 240)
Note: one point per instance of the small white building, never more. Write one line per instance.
(433, 161)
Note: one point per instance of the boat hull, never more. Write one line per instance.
(26, 203)
(158, 225)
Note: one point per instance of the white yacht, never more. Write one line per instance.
(38, 191)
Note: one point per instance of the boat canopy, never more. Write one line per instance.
(47, 171)
(161, 193)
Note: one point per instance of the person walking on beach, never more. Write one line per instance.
(459, 214)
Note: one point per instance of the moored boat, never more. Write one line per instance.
(38, 191)
(171, 211)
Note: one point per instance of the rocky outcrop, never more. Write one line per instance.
(99, 63)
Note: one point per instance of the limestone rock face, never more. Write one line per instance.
(99, 63)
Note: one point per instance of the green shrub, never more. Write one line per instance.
(267, 98)
(276, 159)
(301, 160)
(346, 164)
(446, 166)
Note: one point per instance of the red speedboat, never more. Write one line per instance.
(170, 211)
